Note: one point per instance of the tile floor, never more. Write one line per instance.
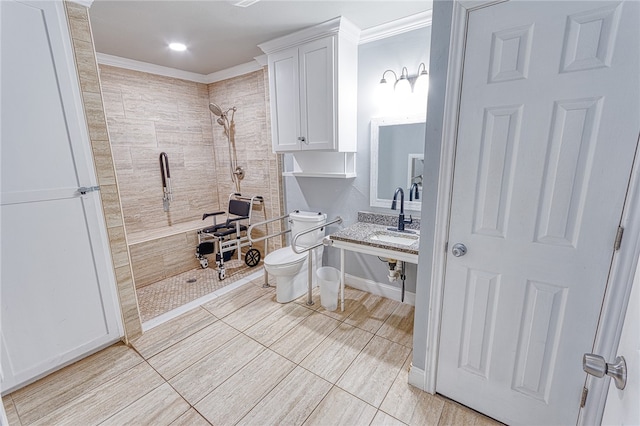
(245, 359)
(168, 294)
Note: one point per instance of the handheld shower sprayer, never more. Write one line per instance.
(237, 173)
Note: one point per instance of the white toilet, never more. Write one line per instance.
(289, 268)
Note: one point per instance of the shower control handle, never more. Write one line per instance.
(303, 139)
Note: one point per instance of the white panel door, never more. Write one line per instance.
(622, 405)
(549, 123)
(58, 295)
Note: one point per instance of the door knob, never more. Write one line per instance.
(459, 250)
(597, 366)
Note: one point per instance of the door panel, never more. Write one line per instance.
(58, 291)
(546, 140)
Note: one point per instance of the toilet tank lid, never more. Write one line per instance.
(308, 216)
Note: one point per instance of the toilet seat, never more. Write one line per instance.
(284, 257)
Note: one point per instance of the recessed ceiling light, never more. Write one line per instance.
(178, 47)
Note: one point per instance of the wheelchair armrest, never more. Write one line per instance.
(206, 215)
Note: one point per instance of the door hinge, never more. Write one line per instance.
(583, 397)
(618, 243)
(84, 189)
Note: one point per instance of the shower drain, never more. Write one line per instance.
(191, 280)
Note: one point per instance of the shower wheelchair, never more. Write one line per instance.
(225, 238)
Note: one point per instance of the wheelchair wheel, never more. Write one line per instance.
(221, 274)
(252, 257)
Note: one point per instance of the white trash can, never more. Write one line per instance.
(329, 281)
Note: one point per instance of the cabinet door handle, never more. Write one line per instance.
(303, 139)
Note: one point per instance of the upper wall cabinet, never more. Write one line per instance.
(312, 87)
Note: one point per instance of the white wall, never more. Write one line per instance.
(345, 197)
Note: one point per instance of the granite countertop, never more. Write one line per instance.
(361, 232)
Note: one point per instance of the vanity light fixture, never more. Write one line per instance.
(178, 47)
(405, 85)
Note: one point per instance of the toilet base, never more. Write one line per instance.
(290, 288)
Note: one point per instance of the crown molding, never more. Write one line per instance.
(85, 3)
(339, 25)
(399, 26)
(130, 64)
(236, 71)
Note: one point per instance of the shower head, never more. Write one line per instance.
(215, 109)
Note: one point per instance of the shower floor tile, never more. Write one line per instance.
(163, 296)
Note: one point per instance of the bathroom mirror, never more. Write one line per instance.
(397, 159)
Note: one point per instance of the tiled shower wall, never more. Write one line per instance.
(84, 52)
(263, 169)
(148, 114)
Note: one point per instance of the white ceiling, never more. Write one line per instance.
(219, 35)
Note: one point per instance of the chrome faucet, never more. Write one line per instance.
(413, 192)
(401, 221)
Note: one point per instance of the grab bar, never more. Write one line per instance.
(338, 219)
(265, 222)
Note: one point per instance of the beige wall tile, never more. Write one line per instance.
(102, 402)
(78, 22)
(159, 407)
(176, 358)
(87, 66)
(341, 408)
(117, 240)
(84, 51)
(199, 379)
(167, 334)
(61, 388)
(334, 355)
(374, 370)
(290, 402)
(230, 401)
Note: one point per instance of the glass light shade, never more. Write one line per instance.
(384, 94)
(403, 88)
(421, 85)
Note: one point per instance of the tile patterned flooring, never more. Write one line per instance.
(242, 358)
(168, 294)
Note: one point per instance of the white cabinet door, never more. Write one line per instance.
(57, 290)
(284, 90)
(317, 97)
(302, 87)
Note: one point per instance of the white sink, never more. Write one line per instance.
(399, 239)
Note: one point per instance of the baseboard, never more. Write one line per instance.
(417, 377)
(379, 289)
